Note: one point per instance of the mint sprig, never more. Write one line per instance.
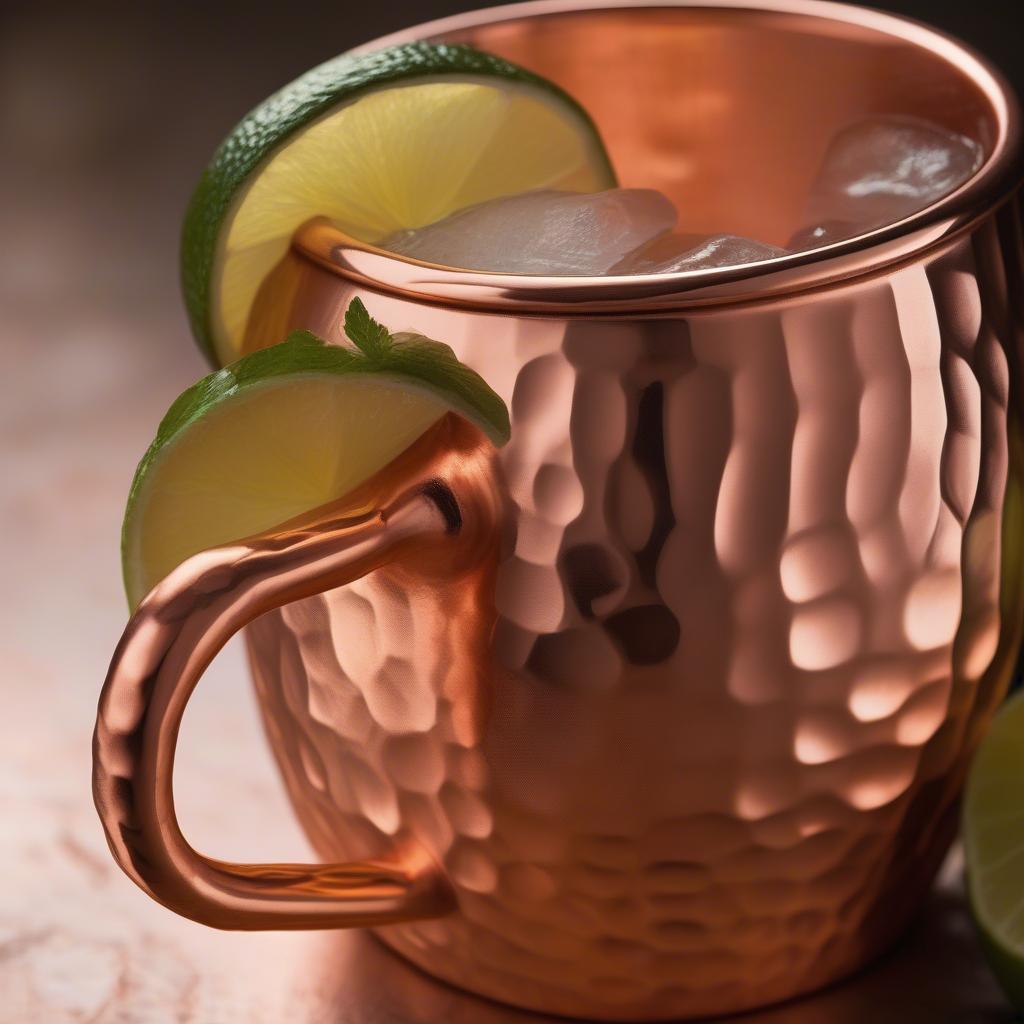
(373, 339)
(419, 361)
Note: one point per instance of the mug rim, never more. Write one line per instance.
(991, 184)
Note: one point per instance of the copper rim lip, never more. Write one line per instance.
(865, 254)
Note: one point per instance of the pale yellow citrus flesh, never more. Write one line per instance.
(263, 457)
(398, 157)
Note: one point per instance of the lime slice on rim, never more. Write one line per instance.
(376, 142)
(993, 819)
(285, 430)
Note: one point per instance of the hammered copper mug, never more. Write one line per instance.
(662, 710)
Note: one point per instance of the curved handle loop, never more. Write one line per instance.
(167, 645)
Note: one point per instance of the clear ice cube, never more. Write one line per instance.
(545, 232)
(816, 235)
(880, 170)
(677, 253)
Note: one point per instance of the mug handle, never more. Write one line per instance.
(167, 645)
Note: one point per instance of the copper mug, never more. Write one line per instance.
(661, 711)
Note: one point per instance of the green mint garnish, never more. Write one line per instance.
(371, 338)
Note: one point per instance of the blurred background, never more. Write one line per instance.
(108, 112)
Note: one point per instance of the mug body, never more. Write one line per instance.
(689, 738)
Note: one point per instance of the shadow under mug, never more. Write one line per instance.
(663, 710)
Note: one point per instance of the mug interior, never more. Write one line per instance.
(729, 111)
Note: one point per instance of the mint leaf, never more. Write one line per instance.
(434, 365)
(406, 357)
(371, 338)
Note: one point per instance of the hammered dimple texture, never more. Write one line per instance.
(693, 743)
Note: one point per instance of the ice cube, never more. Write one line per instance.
(665, 247)
(880, 170)
(676, 253)
(545, 232)
(817, 235)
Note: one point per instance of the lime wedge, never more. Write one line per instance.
(993, 820)
(376, 142)
(285, 430)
